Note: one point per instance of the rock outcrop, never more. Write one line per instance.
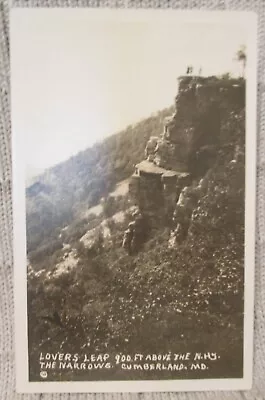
(166, 185)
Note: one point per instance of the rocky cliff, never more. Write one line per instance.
(181, 279)
(167, 185)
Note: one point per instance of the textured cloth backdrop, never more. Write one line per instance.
(7, 368)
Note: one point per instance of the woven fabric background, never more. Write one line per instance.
(7, 369)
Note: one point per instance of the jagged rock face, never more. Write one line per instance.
(151, 146)
(136, 233)
(184, 209)
(155, 190)
(151, 197)
(201, 105)
(188, 145)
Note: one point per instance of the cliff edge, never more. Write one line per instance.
(166, 187)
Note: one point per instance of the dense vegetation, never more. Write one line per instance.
(186, 298)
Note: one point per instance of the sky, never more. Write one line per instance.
(76, 79)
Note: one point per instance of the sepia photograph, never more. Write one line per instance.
(134, 198)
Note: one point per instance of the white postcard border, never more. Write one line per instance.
(247, 19)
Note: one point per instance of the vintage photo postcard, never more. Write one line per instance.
(134, 164)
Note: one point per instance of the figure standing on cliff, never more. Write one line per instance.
(189, 70)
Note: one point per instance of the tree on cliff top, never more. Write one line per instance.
(241, 57)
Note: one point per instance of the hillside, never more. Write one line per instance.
(159, 268)
(58, 195)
